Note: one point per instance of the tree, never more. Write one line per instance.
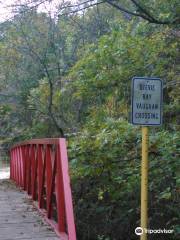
(157, 12)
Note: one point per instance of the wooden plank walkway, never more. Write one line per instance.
(19, 219)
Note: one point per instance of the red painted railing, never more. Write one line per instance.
(40, 167)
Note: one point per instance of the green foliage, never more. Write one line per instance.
(103, 76)
(78, 70)
(162, 9)
(105, 170)
(105, 157)
(102, 163)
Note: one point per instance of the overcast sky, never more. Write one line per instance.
(6, 10)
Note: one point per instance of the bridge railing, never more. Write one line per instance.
(40, 167)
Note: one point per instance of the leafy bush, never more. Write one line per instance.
(105, 169)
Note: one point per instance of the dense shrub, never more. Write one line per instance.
(105, 169)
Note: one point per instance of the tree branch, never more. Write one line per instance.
(80, 9)
(143, 13)
(122, 9)
(42, 62)
(143, 10)
(152, 19)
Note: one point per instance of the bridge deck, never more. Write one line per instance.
(18, 218)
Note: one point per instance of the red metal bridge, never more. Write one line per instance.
(40, 168)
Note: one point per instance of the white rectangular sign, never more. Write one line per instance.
(146, 101)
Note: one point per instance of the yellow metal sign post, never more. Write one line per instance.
(144, 182)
